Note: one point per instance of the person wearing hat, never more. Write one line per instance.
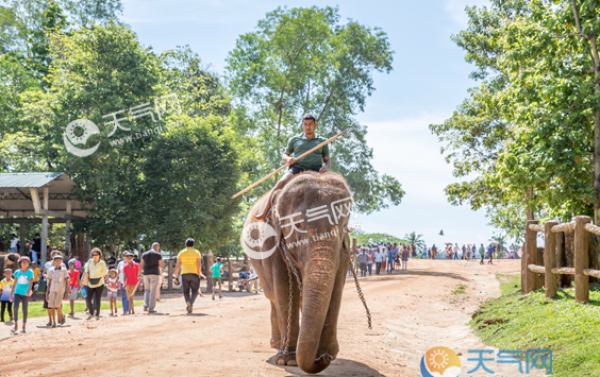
(14, 243)
(21, 292)
(57, 290)
(190, 261)
(47, 268)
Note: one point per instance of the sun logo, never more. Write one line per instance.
(440, 362)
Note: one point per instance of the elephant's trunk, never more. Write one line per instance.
(316, 295)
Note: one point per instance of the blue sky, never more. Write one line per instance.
(429, 79)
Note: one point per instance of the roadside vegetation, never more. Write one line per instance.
(570, 330)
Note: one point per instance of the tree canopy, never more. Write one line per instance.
(527, 131)
(303, 60)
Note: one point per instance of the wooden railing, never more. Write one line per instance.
(531, 266)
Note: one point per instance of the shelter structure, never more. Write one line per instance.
(33, 198)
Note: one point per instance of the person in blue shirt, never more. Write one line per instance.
(21, 291)
(390, 254)
(490, 252)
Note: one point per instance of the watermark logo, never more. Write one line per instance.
(85, 128)
(254, 236)
(440, 362)
(79, 130)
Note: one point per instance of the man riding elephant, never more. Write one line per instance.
(317, 161)
(309, 238)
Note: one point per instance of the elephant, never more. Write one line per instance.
(319, 250)
(9, 261)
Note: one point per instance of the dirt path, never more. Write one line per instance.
(412, 312)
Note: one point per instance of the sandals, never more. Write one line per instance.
(13, 331)
(49, 324)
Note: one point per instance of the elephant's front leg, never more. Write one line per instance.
(275, 332)
(282, 295)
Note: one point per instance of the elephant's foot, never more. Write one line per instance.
(289, 359)
(330, 350)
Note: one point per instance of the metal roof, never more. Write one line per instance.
(15, 196)
(26, 180)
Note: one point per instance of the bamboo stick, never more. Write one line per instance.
(286, 165)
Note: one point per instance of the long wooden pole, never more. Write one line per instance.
(286, 165)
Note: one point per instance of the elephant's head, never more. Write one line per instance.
(318, 206)
(9, 261)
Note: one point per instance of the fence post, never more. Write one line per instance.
(210, 260)
(529, 257)
(582, 281)
(230, 274)
(550, 259)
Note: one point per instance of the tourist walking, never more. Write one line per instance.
(6, 287)
(490, 253)
(57, 290)
(132, 278)
(112, 288)
(405, 255)
(21, 291)
(371, 254)
(190, 261)
(481, 253)
(217, 273)
(379, 256)
(363, 257)
(73, 285)
(122, 290)
(152, 267)
(95, 273)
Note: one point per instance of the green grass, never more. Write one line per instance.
(35, 309)
(569, 329)
(460, 290)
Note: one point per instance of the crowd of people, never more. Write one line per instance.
(388, 257)
(60, 282)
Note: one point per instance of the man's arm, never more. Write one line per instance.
(142, 266)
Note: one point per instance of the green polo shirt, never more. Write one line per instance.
(300, 144)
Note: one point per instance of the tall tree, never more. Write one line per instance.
(303, 60)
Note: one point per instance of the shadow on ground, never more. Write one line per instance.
(399, 274)
(338, 368)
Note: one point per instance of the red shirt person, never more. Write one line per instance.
(131, 270)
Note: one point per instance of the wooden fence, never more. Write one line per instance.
(531, 262)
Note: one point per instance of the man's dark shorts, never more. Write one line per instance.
(296, 170)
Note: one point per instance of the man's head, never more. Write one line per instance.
(37, 235)
(57, 259)
(12, 235)
(309, 124)
(128, 257)
(7, 273)
(189, 242)
(33, 265)
(219, 259)
(156, 246)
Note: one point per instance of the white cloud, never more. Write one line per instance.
(407, 150)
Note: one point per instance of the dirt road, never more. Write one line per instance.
(412, 312)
